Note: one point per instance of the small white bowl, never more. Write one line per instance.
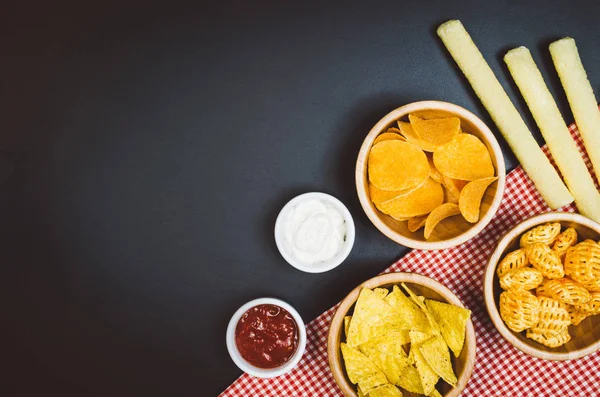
(250, 369)
(322, 266)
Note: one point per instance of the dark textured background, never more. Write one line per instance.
(146, 149)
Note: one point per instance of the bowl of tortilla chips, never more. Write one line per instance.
(430, 175)
(401, 334)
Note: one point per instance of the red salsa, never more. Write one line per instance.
(267, 336)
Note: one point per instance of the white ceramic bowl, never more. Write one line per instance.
(250, 369)
(322, 266)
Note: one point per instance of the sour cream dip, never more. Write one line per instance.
(314, 232)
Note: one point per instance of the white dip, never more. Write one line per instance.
(314, 231)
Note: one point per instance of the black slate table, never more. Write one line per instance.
(146, 149)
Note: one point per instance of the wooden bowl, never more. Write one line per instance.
(585, 337)
(421, 285)
(451, 231)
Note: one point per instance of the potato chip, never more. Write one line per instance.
(546, 233)
(452, 189)
(465, 158)
(397, 165)
(360, 369)
(435, 132)
(582, 262)
(388, 136)
(545, 260)
(387, 354)
(413, 316)
(411, 136)
(371, 314)
(347, 324)
(439, 214)
(421, 201)
(565, 290)
(379, 196)
(519, 309)
(513, 260)
(564, 241)
(433, 172)
(437, 356)
(549, 340)
(417, 222)
(386, 391)
(523, 278)
(452, 321)
(470, 198)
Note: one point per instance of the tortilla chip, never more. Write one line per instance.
(410, 380)
(417, 222)
(361, 370)
(465, 158)
(470, 198)
(435, 351)
(420, 302)
(386, 391)
(421, 201)
(428, 376)
(387, 354)
(397, 165)
(414, 317)
(372, 315)
(347, 324)
(452, 321)
(435, 132)
(382, 292)
(439, 214)
(388, 136)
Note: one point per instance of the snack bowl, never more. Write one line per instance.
(253, 370)
(452, 231)
(585, 337)
(421, 285)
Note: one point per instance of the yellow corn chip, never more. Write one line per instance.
(388, 136)
(421, 201)
(437, 356)
(470, 198)
(428, 376)
(382, 292)
(417, 222)
(361, 370)
(465, 158)
(420, 302)
(414, 317)
(387, 354)
(386, 391)
(452, 321)
(397, 165)
(439, 214)
(435, 132)
(347, 324)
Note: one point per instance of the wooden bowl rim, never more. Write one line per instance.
(398, 113)
(395, 278)
(490, 274)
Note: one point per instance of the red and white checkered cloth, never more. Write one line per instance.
(500, 369)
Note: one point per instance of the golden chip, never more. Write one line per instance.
(554, 317)
(417, 222)
(418, 202)
(523, 278)
(550, 340)
(546, 234)
(433, 172)
(565, 290)
(435, 132)
(452, 189)
(591, 307)
(361, 370)
(564, 241)
(397, 165)
(465, 158)
(519, 309)
(388, 136)
(582, 262)
(577, 316)
(545, 260)
(470, 198)
(452, 321)
(512, 260)
(439, 214)
(411, 136)
(437, 356)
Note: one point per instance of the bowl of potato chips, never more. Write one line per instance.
(401, 334)
(430, 175)
(542, 286)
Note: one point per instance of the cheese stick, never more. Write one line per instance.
(528, 78)
(580, 95)
(505, 115)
